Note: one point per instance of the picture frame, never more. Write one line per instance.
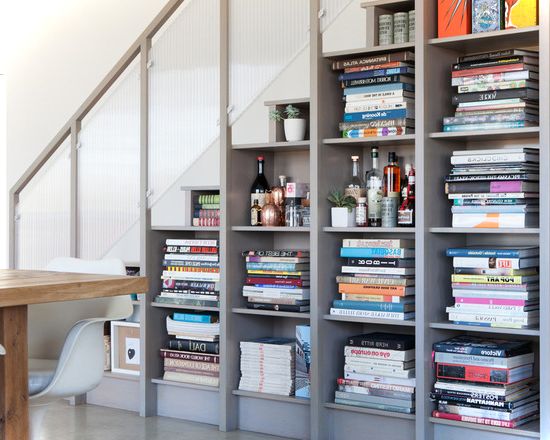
(125, 347)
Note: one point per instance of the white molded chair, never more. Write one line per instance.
(2, 350)
(66, 349)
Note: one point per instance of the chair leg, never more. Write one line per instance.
(37, 413)
(78, 400)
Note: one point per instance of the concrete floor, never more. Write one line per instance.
(88, 422)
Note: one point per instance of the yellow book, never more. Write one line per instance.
(493, 279)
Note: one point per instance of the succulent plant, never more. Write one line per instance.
(292, 112)
(276, 115)
(340, 200)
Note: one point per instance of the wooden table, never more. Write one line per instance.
(18, 289)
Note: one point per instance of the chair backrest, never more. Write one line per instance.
(2, 350)
(50, 323)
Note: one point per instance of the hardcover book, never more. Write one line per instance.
(454, 17)
(521, 13)
(487, 15)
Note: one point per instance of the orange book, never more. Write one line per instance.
(369, 289)
(371, 298)
(454, 17)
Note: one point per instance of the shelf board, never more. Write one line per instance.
(182, 307)
(274, 146)
(286, 101)
(187, 228)
(510, 133)
(185, 385)
(371, 230)
(406, 139)
(527, 231)
(376, 412)
(530, 430)
(487, 41)
(200, 188)
(121, 376)
(276, 397)
(369, 50)
(479, 329)
(269, 229)
(274, 313)
(403, 323)
(390, 5)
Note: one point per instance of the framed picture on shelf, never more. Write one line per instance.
(125, 347)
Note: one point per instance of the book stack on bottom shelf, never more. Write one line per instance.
(494, 188)
(377, 279)
(191, 273)
(379, 95)
(192, 354)
(495, 90)
(487, 382)
(206, 210)
(267, 366)
(379, 373)
(495, 286)
(277, 280)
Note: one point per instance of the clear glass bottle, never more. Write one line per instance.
(255, 214)
(356, 187)
(361, 212)
(392, 177)
(293, 212)
(374, 181)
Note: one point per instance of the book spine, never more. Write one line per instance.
(490, 70)
(191, 263)
(371, 314)
(376, 385)
(380, 262)
(190, 249)
(379, 114)
(488, 63)
(477, 420)
(368, 342)
(287, 267)
(276, 253)
(486, 253)
(374, 392)
(278, 307)
(480, 361)
(348, 252)
(372, 306)
(192, 243)
(492, 320)
(371, 60)
(275, 282)
(255, 259)
(193, 317)
(186, 365)
(190, 356)
(485, 119)
(492, 78)
(191, 378)
(193, 257)
(486, 126)
(371, 280)
(389, 73)
(187, 302)
(486, 87)
(194, 346)
(490, 95)
(366, 289)
(487, 279)
(374, 132)
(374, 80)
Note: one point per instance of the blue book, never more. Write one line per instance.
(288, 267)
(348, 252)
(486, 126)
(495, 251)
(391, 87)
(378, 114)
(193, 317)
(373, 306)
(377, 72)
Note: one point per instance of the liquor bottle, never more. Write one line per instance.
(255, 214)
(260, 185)
(392, 177)
(355, 188)
(405, 216)
(374, 180)
(361, 218)
(405, 182)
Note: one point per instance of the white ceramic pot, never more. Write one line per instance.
(295, 129)
(342, 217)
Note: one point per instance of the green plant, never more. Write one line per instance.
(292, 112)
(275, 115)
(340, 200)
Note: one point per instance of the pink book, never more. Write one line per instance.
(497, 302)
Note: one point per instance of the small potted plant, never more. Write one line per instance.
(295, 127)
(343, 211)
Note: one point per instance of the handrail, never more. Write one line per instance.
(134, 50)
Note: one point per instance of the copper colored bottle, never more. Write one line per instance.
(279, 196)
(271, 213)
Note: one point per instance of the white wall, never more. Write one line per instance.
(60, 50)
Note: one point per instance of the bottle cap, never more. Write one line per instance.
(374, 152)
(392, 157)
(354, 158)
(260, 158)
(362, 200)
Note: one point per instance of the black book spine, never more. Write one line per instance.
(477, 402)
(490, 96)
(281, 253)
(487, 63)
(378, 262)
(189, 285)
(279, 307)
(372, 81)
(194, 346)
(480, 350)
(188, 263)
(395, 344)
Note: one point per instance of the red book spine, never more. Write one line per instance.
(487, 70)
(279, 281)
(473, 373)
(478, 420)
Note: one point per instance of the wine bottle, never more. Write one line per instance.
(355, 188)
(374, 180)
(392, 177)
(260, 185)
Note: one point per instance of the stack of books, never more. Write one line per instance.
(379, 373)
(494, 188)
(277, 280)
(488, 382)
(377, 279)
(192, 353)
(379, 94)
(206, 210)
(190, 273)
(495, 90)
(267, 366)
(495, 286)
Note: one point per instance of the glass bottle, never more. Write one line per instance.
(293, 212)
(271, 214)
(279, 195)
(259, 186)
(374, 181)
(356, 187)
(392, 177)
(361, 212)
(255, 214)
(407, 210)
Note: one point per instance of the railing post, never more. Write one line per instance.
(13, 199)
(73, 204)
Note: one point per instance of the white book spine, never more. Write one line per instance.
(370, 314)
(486, 263)
(360, 107)
(484, 361)
(376, 353)
(374, 96)
(512, 320)
(378, 270)
(494, 294)
(487, 308)
(191, 276)
(377, 243)
(192, 257)
(489, 158)
(489, 221)
(192, 242)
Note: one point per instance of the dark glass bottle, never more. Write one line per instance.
(260, 185)
(392, 177)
